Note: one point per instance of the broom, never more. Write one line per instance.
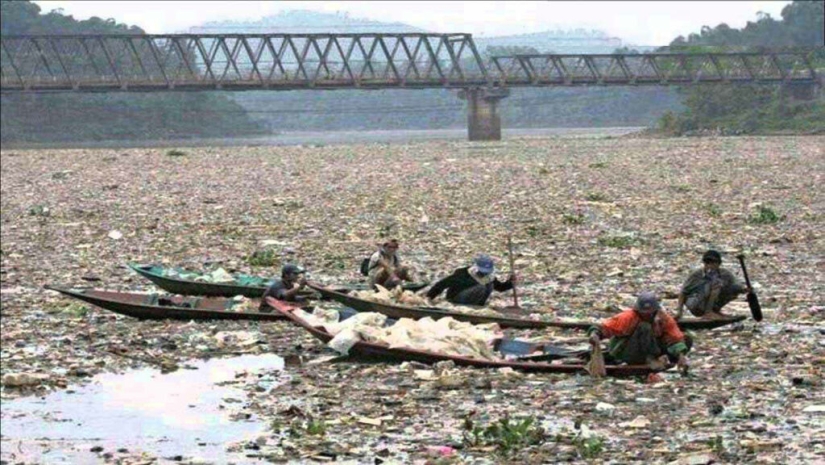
(596, 366)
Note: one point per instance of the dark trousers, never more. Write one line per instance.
(641, 346)
(697, 303)
(476, 295)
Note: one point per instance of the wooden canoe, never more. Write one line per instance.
(399, 311)
(527, 352)
(181, 286)
(163, 307)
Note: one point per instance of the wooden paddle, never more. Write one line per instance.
(515, 307)
(753, 301)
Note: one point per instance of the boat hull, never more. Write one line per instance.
(384, 352)
(397, 311)
(139, 306)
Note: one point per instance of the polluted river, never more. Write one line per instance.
(594, 221)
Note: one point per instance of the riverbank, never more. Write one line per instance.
(327, 138)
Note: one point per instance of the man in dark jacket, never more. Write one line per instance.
(472, 285)
(287, 288)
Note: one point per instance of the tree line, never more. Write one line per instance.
(87, 117)
(742, 109)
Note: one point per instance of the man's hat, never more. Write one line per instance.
(647, 302)
(484, 264)
(290, 268)
(712, 256)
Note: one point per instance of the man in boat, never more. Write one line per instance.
(385, 267)
(644, 335)
(287, 288)
(472, 285)
(709, 288)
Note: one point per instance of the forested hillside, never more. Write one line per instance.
(752, 108)
(86, 117)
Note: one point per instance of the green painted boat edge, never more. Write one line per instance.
(189, 287)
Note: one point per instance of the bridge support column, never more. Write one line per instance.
(483, 121)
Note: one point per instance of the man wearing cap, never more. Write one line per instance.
(472, 285)
(644, 335)
(709, 288)
(287, 288)
(385, 267)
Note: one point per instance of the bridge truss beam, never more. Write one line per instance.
(239, 62)
(235, 62)
(334, 61)
(658, 69)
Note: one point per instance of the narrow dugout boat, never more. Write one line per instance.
(162, 307)
(400, 311)
(245, 285)
(530, 357)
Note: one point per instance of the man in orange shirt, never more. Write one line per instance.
(644, 335)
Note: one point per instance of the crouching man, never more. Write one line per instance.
(709, 288)
(385, 268)
(644, 335)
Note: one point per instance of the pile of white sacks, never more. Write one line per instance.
(445, 335)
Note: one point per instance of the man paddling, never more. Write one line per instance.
(644, 335)
(709, 288)
(287, 288)
(472, 285)
(385, 267)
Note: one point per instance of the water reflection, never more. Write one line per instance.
(166, 415)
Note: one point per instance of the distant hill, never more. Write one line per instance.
(571, 41)
(439, 108)
(306, 21)
(302, 21)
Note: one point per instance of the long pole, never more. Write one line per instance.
(512, 268)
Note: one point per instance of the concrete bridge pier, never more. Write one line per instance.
(483, 121)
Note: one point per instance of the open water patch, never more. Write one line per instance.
(189, 413)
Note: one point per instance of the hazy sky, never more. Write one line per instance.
(640, 23)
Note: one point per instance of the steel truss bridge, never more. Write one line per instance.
(199, 62)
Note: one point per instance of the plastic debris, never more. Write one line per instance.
(333, 204)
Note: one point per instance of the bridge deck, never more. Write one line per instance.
(190, 62)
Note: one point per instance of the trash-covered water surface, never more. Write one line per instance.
(187, 415)
(594, 222)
